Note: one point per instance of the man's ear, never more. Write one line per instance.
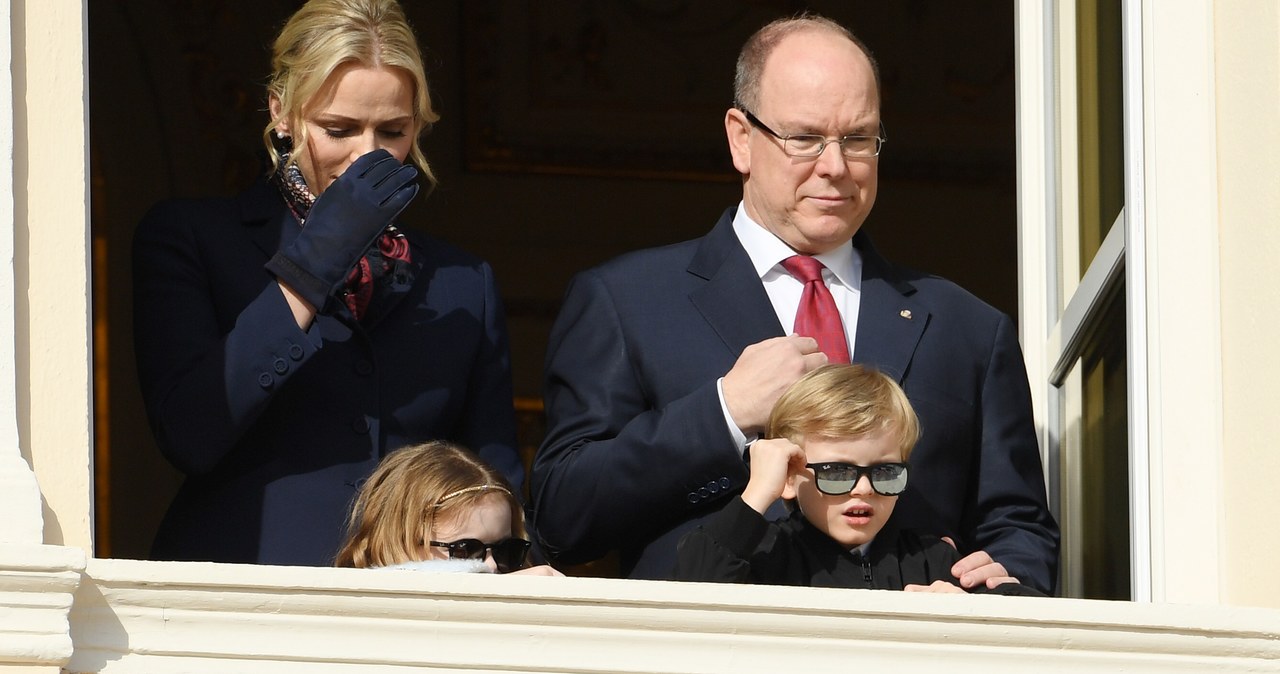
(738, 131)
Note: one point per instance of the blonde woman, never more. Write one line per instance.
(289, 337)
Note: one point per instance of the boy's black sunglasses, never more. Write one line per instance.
(509, 554)
(837, 478)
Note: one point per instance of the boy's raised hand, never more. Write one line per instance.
(772, 463)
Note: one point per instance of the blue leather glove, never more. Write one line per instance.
(343, 224)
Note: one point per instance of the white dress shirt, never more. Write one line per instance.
(843, 276)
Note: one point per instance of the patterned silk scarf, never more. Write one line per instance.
(384, 262)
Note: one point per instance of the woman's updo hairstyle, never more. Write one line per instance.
(325, 34)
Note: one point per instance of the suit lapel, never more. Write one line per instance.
(733, 300)
(890, 321)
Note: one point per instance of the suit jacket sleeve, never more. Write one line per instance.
(204, 385)
(1012, 522)
(616, 466)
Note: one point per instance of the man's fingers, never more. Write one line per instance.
(813, 361)
(976, 568)
(974, 560)
(806, 345)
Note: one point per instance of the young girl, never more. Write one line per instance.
(437, 507)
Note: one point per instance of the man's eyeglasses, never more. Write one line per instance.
(812, 145)
(839, 478)
(509, 554)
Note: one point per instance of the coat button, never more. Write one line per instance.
(724, 483)
(265, 380)
(713, 487)
(360, 425)
(703, 493)
(281, 366)
(693, 498)
(295, 352)
(364, 368)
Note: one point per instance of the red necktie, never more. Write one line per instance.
(817, 316)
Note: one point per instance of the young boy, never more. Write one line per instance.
(839, 442)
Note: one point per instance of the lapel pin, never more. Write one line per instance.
(905, 313)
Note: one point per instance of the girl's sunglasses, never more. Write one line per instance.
(838, 478)
(509, 554)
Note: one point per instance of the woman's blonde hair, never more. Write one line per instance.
(411, 489)
(326, 34)
(845, 401)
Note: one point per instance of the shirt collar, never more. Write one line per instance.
(767, 252)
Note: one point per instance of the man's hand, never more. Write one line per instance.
(772, 463)
(978, 568)
(760, 375)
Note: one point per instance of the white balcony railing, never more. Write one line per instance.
(134, 616)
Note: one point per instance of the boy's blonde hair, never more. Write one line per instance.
(325, 34)
(411, 490)
(845, 401)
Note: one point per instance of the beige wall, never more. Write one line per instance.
(1248, 108)
(52, 261)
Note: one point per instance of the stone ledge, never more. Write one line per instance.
(37, 586)
(152, 616)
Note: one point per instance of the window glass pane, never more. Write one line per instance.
(1099, 51)
(1104, 458)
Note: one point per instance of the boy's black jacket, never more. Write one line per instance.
(738, 545)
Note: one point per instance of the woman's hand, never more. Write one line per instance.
(342, 224)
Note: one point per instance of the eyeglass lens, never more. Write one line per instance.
(852, 146)
(812, 145)
(509, 554)
(838, 479)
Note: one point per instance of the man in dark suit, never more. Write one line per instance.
(664, 363)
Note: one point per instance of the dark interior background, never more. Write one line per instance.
(571, 131)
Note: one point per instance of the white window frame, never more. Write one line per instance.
(1056, 308)
(1165, 244)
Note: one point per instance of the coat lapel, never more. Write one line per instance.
(271, 226)
(266, 219)
(398, 286)
(732, 301)
(890, 321)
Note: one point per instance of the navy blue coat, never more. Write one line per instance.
(637, 452)
(275, 427)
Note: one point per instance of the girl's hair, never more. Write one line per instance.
(326, 34)
(845, 401)
(411, 489)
